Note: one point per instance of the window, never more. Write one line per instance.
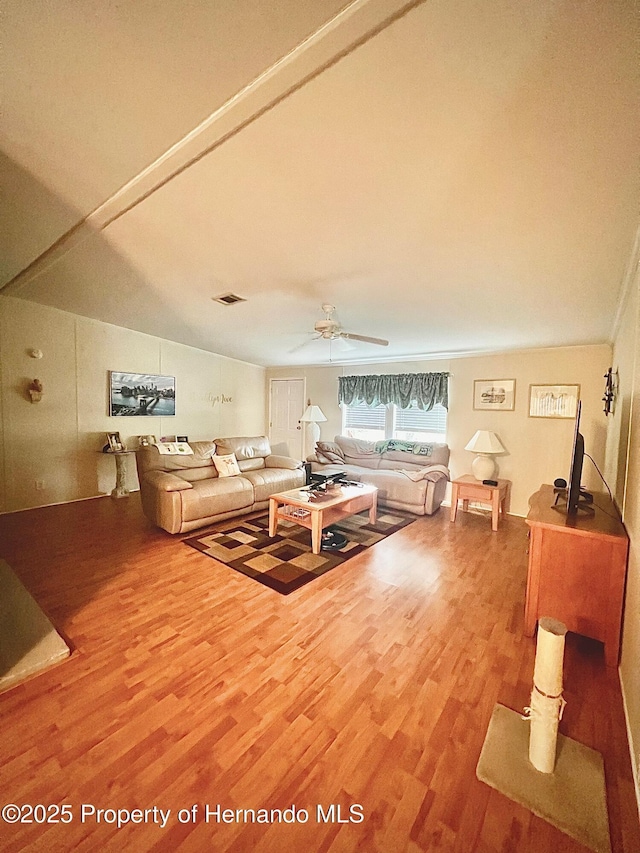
(414, 424)
(362, 421)
(375, 423)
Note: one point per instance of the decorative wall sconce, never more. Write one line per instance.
(35, 387)
(609, 391)
(35, 391)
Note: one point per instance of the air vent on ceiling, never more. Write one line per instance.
(228, 299)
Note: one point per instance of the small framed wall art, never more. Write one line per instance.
(553, 401)
(494, 395)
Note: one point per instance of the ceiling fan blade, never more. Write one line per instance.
(343, 343)
(306, 343)
(367, 340)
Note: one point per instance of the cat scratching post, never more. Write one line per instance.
(547, 703)
(524, 757)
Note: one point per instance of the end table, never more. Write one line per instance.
(467, 489)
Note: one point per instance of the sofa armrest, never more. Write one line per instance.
(274, 461)
(436, 491)
(165, 482)
(428, 472)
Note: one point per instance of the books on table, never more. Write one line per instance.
(174, 448)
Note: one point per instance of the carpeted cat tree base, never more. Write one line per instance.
(572, 798)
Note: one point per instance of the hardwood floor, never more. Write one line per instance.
(370, 688)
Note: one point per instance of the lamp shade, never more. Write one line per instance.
(485, 442)
(313, 415)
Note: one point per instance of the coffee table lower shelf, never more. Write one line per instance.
(295, 506)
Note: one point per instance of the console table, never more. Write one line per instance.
(577, 569)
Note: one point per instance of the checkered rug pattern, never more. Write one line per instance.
(285, 562)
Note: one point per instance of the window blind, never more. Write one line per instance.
(361, 416)
(414, 419)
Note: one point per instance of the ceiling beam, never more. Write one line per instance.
(352, 27)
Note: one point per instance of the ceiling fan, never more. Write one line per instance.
(330, 329)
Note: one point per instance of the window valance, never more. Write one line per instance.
(403, 389)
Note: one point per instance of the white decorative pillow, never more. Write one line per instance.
(226, 466)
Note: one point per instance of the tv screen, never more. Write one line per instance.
(576, 498)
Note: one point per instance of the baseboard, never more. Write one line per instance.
(62, 503)
(632, 750)
(483, 508)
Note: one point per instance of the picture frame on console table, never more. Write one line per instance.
(115, 442)
(147, 440)
(553, 401)
(494, 395)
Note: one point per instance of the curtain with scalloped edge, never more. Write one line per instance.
(403, 389)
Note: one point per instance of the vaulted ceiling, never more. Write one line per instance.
(453, 175)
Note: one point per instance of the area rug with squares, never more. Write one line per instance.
(285, 562)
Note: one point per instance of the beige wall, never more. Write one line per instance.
(57, 440)
(623, 456)
(539, 449)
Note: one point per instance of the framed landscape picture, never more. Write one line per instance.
(553, 401)
(136, 394)
(498, 395)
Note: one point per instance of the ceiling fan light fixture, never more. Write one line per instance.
(330, 329)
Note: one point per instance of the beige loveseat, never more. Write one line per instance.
(181, 493)
(408, 475)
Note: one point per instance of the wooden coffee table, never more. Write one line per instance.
(295, 505)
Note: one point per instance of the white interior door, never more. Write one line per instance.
(286, 406)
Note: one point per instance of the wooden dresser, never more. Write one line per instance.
(577, 569)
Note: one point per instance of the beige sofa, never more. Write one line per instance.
(411, 476)
(181, 493)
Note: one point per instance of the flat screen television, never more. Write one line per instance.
(575, 472)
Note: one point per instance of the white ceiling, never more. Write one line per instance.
(455, 176)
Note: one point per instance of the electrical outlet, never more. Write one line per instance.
(40, 485)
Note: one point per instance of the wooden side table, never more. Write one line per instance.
(467, 489)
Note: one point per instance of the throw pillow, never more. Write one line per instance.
(330, 450)
(226, 466)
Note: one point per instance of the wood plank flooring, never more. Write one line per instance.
(369, 689)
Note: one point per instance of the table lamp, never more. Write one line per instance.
(313, 415)
(484, 444)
